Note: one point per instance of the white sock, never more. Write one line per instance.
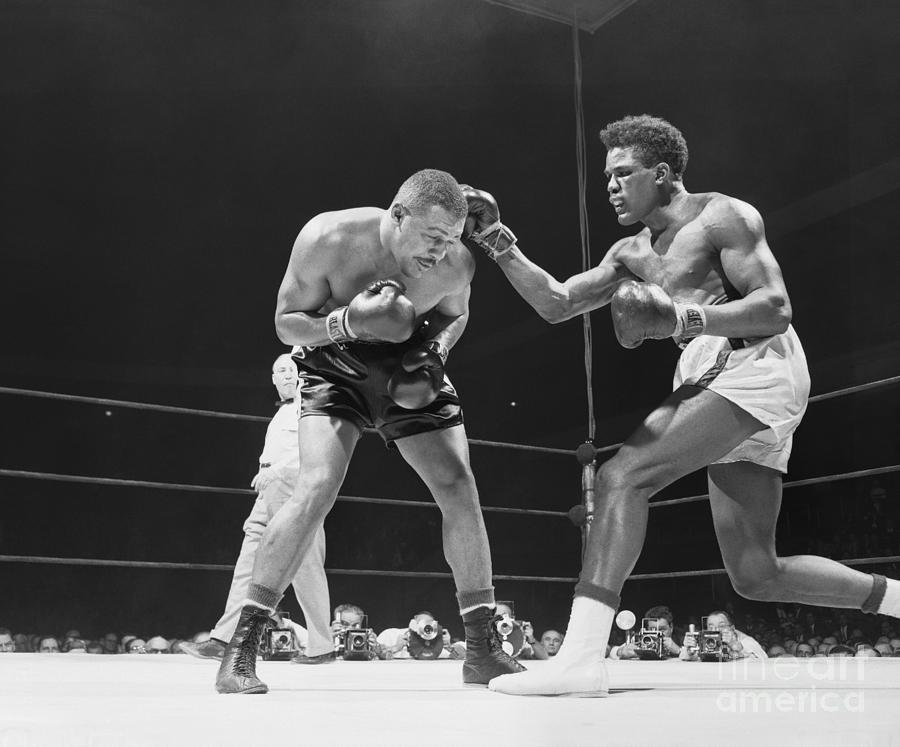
(890, 604)
(467, 610)
(588, 632)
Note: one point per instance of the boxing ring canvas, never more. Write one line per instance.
(135, 700)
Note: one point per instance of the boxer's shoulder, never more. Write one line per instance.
(721, 213)
(343, 227)
(338, 239)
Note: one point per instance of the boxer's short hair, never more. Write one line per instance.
(654, 140)
(430, 187)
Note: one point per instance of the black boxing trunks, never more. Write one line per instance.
(349, 381)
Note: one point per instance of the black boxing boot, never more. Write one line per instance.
(237, 673)
(485, 657)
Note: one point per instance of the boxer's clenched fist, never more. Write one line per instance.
(644, 311)
(380, 313)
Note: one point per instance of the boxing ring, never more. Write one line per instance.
(132, 699)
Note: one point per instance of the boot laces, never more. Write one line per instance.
(494, 643)
(245, 659)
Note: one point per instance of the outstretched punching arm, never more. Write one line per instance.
(555, 301)
(559, 301)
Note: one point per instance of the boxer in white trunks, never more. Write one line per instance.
(699, 271)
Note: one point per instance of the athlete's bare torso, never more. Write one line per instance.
(683, 259)
(350, 255)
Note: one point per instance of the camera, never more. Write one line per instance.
(425, 640)
(279, 642)
(427, 631)
(649, 644)
(512, 639)
(353, 644)
(714, 643)
(504, 625)
(712, 647)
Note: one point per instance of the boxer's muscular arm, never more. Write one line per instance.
(450, 318)
(559, 301)
(736, 229)
(305, 289)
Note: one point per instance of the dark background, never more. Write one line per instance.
(158, 159)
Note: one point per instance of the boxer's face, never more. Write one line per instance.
(422, 237)
(632, 187)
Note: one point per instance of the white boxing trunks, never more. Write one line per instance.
(767, 378)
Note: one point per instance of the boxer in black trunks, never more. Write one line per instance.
(373, 300)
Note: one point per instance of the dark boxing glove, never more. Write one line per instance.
(418, 380)
(483, 226)
(380, 313)
(644, 311)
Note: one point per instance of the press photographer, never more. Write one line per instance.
(654, 640)
(517, 636)
(353, 639)
(719, 640)
(423, 638)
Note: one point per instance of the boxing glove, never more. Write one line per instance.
(416, 383)
(380, 313)
(644, 311)
(483, 227)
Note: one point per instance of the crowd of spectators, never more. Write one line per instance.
(787, 631)
(73, 642)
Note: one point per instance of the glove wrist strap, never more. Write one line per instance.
(438, 348)
(496, 240)
(337, 327)
(690, 321)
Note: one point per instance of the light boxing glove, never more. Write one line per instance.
(644, 311)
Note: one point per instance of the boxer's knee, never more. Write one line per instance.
(760, 582)
(313, 497)
(624, 480)
(316, 484)
(453, 478)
